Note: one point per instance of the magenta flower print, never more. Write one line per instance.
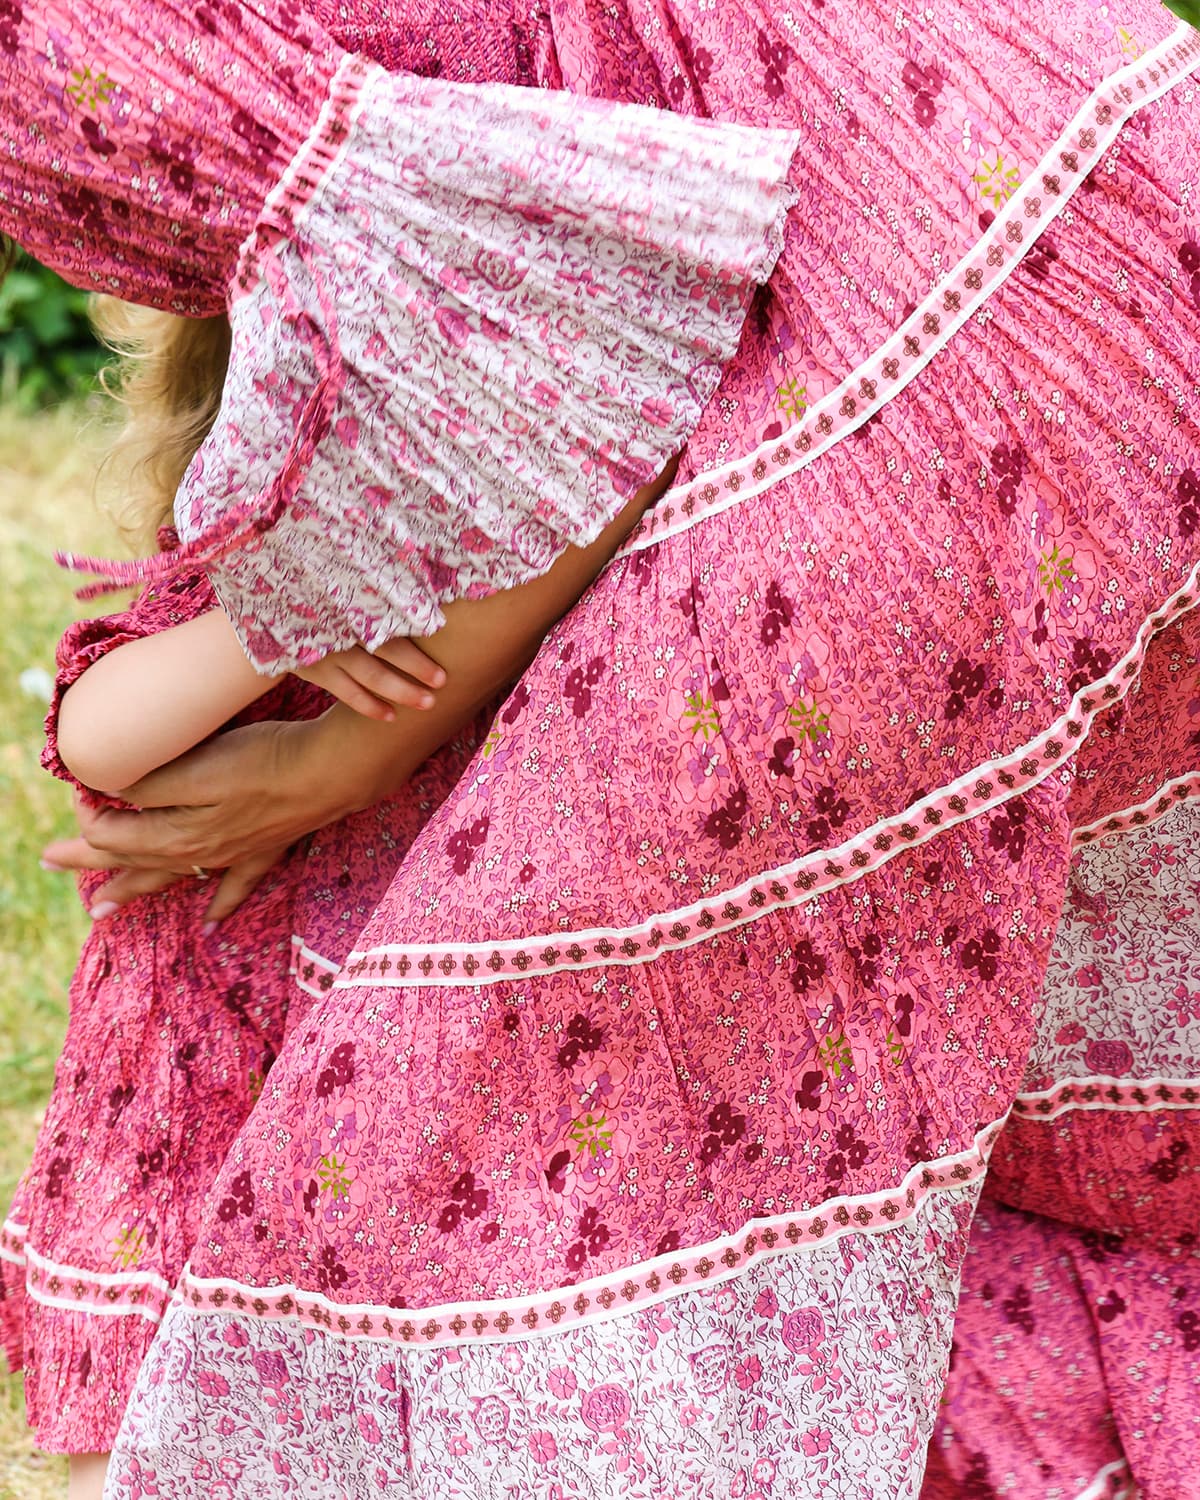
(606, 1408)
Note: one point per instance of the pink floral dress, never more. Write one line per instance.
(1076, 1369)
(170, 1040)
(635, 1148)
(468, 322)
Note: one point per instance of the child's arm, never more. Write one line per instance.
(151, 699)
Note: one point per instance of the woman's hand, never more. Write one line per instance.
(233, 805)
(239, 800)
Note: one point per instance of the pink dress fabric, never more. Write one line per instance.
(1076, 1370)
(171, 1036)
(469, 322)
(635, 1148)
(170, 1040)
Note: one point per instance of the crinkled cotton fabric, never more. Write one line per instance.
(726, 953)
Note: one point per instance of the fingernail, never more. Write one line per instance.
(103, 909)
(48, 864)
(426, 701)
(207, 929)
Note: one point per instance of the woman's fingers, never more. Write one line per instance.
(75, 854)
(127, 886)
(238, 882)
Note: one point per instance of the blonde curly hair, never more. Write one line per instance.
(169, 376)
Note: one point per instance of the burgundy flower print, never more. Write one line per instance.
(1187, 491)
(593, 1236)
(724, 823)
(468, 1201)
(1110, 1306)
(1188, 1324)
(1189, 259)
(579, 684)
(239, 1201)
(809, 966)
(776, 58)
(924, 83)
(1007, 829)
(698, 61)
(262, 143)
(55, 1176)
(980, 954)
(829, 812)
(118, 1101)
(514, 705)
(967, 681)
(1018, 1309)
(11, 16)
(778, 615)
(556, 1172)
(1168, 1166)
(1041, 258)
(582, 1039)
(904, 1010)
(150, 1163)
(1009, 462)
(463, 846)
(1100, 1246)
(865, 959)
(782, 753)
(331, 1274)
(338, 1073)
(1090, 663)
(726, 1128)
(813, 1084)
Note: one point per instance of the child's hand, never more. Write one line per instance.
(374, 684)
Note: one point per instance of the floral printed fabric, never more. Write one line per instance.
(531, 314)
(1076, 1370)
(170, 1040)
(731, 938)
(811, 1374)
(1076, 1367)
(122, 195)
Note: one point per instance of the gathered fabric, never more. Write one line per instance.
(634, 1149)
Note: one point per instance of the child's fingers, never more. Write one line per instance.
(384, 680)
(406, 656)
(347, 688)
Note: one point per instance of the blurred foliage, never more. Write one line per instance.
(1189, 10)
(47, 350)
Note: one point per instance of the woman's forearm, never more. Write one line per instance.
(148, 701)
(484, 646)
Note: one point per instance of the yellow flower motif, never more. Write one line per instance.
(1055, 570)
(591, 1135)
(90, 90)
(808, 721)
(703, 716)
(836, 1054)
(793, 399)
(1130, 46)
(332, 1173)
(129, 1246)
(996, 181)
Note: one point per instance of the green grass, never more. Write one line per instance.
(47, 462)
